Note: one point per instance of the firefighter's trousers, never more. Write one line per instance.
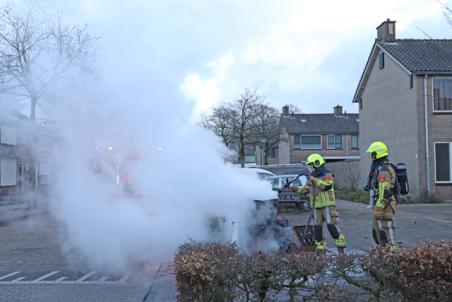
(383, 223)
(330, 216)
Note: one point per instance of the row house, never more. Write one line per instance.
(334, 135)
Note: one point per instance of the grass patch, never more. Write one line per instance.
(362, 196)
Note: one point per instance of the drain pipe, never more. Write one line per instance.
(427, 156)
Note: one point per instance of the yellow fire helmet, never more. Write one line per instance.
(316, 160)
(377, 150)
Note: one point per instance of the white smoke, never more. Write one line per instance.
(178, 176)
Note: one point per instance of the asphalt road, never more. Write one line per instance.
(34, 268)
(415, 223)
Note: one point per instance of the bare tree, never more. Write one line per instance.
(244, 121)
(447, 11)
(352, 176)
(37, 50)
(268, 134)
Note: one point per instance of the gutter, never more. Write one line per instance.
(427, 156)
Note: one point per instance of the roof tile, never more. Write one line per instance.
(419, 55)
(321, 123)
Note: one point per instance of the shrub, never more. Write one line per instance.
(421, 273)
(204, 271)
(423, 197)
(216, 272)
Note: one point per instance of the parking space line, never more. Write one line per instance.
(45, 276)
(123, 279)
(60, 279)
(104, 279)
(9, 275)
(86, 276)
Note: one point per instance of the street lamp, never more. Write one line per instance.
(263, 142)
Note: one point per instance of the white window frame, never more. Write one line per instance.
(450, 163)
(316, 135)
(327, 142)
(433, 96)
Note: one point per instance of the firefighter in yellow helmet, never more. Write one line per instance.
(383, 180)
(323, 202)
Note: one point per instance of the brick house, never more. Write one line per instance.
(405, 100)
(334, 135)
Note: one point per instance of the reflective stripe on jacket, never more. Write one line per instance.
(386, 180)
(321, 191)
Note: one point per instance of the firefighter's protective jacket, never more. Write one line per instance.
(384, 183)
(321, 188)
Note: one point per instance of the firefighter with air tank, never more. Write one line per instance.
(383, 180)
(323, 202)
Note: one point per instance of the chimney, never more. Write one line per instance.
(285, 110)
(386, 31)
(338, 110)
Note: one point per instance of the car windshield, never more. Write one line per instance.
(275, 183)
(279, 181)
(265, 176)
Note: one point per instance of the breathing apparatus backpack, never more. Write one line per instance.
(402, 187)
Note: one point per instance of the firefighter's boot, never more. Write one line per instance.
(340, 242)
(393, 248)
(320, 246)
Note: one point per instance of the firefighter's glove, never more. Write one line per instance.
(378, 213)
(293, 188)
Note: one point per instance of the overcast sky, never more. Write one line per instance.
(308, 53)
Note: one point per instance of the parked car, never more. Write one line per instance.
(285, 196)
(260, 173)
(279, 181)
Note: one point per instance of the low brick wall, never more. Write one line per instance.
(346, 174)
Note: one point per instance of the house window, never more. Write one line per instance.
(355, 142)
(8, 172)
(443, 162)
(8, 135)
(334, 141)
(272, 152)
(442, 94)
(381, 60)
(310, 142)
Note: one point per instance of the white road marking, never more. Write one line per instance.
(63, 279)
(45, 276)
(9, 275)
(123, 279)
(86, 276)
